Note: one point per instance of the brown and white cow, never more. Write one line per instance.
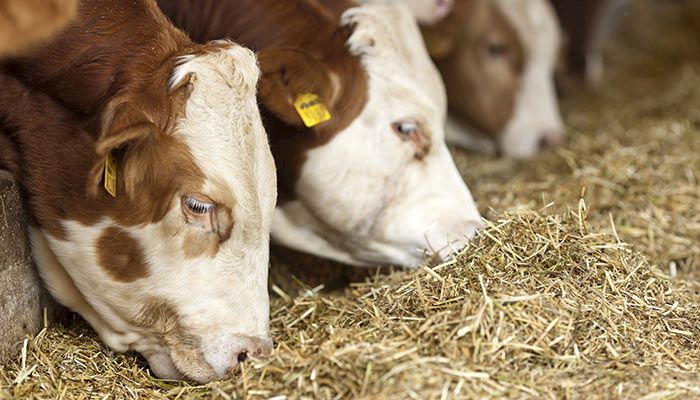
(498, 60)
(24, 23)
(376, 183)
(174, 263)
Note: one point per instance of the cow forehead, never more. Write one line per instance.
(233, 64)
(221, 124)
(387, 39)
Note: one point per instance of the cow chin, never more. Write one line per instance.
(295, 227)
(180, 363)
(526, 134)
(163, 367)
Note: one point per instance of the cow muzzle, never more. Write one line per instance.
(216, 360)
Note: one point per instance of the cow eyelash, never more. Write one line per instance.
(498, 49)
(406, 128)
(198, 207)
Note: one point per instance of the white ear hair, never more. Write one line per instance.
(376, 25)
(180, 72)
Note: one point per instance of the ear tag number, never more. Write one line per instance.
(311, 109)
(111, 175)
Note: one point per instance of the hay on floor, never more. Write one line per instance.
(537, 306)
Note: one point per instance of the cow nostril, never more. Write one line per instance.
(551, 139)
(242, 357)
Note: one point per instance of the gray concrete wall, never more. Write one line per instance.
(22, 298)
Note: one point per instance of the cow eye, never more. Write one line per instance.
(498, 49)
(412, 131)
(406, 129)
(198, 206)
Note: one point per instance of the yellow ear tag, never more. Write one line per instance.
(111, 175)
(311, 109)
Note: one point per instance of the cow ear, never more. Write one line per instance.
(288, 74)
(123, 125)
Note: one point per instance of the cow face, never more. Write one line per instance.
(175, 266)
(499, 66)
(383, 188)
(480, 56)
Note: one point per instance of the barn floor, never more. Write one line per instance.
(549, 302)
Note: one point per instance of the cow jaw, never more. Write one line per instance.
(367, 196)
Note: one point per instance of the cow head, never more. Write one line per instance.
(379, 184)
(498, 58)
(175, 266)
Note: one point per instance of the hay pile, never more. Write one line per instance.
(538, 306)
(548, 302)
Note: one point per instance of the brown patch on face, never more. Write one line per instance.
(311, 29)
(161, 320)
(158, 316)
(224, 222)
(121, 255)
(480, 56)
(200, 244)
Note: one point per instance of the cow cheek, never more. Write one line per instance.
(197, 244)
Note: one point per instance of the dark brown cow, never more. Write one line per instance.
(375, 183)
(151, 185)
